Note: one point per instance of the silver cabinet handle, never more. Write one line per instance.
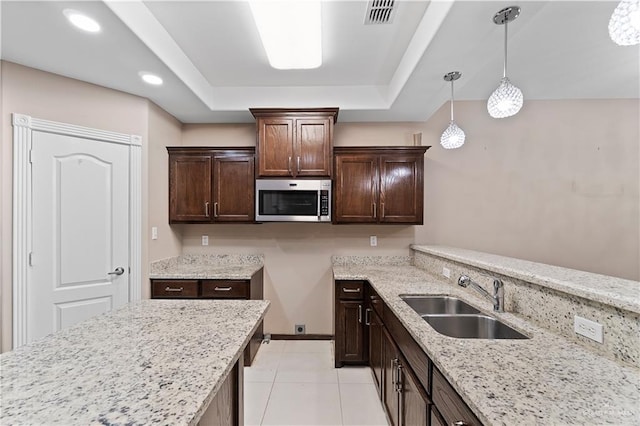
(459, 423)
(375, 215)
(382, 210)
(360, 314)
(298, 164)
(118, 271)
(367, 317)
(206, 208)
(394, 379)
(222, 289)
(351, 290)
(399, 380)
(215, 209)
(176, 290)
(289, 167)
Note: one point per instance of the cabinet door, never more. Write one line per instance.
(401, 189)
(275, 147)
(375, 347)
(190, 188)
(449, 404)
(356, 189)
(349, 335)
(390, 394)
(312, 147)
(233, 195)
(414, 403)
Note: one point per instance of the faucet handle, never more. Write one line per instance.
(464, 281)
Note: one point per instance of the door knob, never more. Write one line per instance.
(119, 271)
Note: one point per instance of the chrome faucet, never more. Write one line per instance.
(498, 291)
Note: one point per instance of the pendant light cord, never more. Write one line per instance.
(504, 69)
(451, 100)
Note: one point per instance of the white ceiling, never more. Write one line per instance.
(214, 68)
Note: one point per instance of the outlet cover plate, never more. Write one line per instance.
(373, 241)
(300, 329)
(205, 240)
(589, 329)
(446, 272)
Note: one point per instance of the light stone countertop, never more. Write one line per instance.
(202, 266)
(544, 380)
(617, 292)
(152, 361)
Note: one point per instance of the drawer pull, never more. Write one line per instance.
(222, 289)
(350, 290)
(177, 290)
(460, 423)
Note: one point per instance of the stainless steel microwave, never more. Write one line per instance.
(293, 200)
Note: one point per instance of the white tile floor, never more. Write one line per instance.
(293, 382)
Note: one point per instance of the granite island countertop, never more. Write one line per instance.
(152, 361)
(542, 380)
(203, 266)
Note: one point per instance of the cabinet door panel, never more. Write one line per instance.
(181, 289)
(190, 188)
(349, 332)
(390, 394)
(233, 195)
(356, 189)
(312, 147)
(450, 405)
(401, 189)
(275, 147)
(414, 403)
(375, 348)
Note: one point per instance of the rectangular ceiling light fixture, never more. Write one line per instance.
(291, 32)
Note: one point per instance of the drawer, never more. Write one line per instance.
(350, 290)
(450, 405)
(225, 289)
(174, 288)
(375, 301)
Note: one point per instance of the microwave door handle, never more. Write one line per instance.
(319, 195)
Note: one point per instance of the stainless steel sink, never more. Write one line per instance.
(436, 305)
(472, 327)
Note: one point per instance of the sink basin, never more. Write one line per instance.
(436, 305)
(472, 327)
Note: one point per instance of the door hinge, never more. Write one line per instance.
(30, 258)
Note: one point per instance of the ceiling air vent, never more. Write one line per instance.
(379, 12)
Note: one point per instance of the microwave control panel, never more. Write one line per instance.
(324, 203)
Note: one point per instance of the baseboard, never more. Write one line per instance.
(301, 336)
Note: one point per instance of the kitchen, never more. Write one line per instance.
(561, 175)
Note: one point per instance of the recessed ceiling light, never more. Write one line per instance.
(149, 78)
(82, 21)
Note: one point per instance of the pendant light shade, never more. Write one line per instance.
(453, 136)
(507, 99)
(624, 25)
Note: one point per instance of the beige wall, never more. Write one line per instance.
(164, 130)
(298, 278)
(557, 183)
(52, 97)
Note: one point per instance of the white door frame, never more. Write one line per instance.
(23, 128)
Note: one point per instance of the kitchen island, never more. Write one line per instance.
(152, 361)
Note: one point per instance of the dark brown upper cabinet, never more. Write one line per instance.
(295, 142)
(210, 185)
(379, 185)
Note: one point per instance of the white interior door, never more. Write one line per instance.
(80, 240)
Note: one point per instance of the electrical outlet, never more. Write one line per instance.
(587, 328)
(300, 329)
(205, 240)
(446, 272)
(154, 232)
(373, 241)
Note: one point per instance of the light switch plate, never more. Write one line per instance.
(154, 232)
(588, 328)
(446, 272)
(373, 241)
(205, 240)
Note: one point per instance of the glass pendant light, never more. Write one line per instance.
(453, 136)
(507, 99)
(624, 25)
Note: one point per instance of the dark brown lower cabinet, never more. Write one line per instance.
(227, 407)
(411, 389)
